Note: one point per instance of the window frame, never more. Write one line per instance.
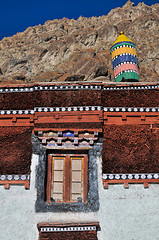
(67, 176)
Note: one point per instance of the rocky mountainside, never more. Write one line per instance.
(78, 50)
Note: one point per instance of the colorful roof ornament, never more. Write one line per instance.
(124, 59)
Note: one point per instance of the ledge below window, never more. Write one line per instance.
(127, 179)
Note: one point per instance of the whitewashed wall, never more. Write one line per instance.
(124, 213)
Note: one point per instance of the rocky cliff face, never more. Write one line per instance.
(78, 50)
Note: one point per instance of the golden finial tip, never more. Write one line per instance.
(121, 32)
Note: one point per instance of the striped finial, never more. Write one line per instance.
(124, 59)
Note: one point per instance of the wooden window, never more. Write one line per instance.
(67, 178)
(57, 178)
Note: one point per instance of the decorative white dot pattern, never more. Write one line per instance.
(68, 229)
(123, 176)
(9, 177)
(79, 108)
(130, 176)
(23, 177)
(104, 176)
(130, 109)
(149, 176)
(2, 177)
(136, 176)
(156, 176)
(14, 177)
(111, 176)
(75, 87)
(119, 176)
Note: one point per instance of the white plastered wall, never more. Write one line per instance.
(124, 213)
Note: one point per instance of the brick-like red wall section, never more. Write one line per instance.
(15, 101)
(81, 235)
(130, 149)
(130, 98)
(112, 98)
(15, 150)
(22, 101)
(68, 98)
